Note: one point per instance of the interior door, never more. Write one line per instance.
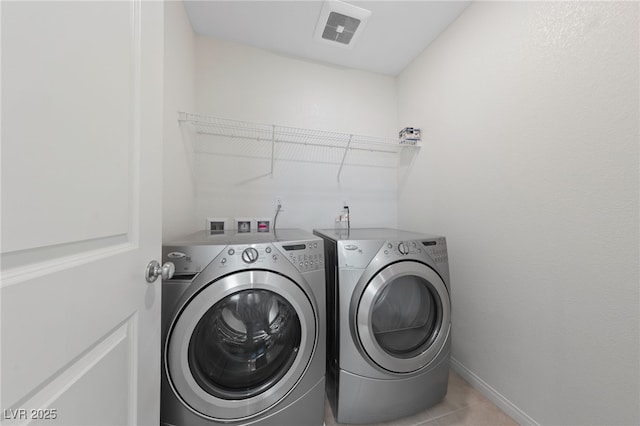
(81, 199)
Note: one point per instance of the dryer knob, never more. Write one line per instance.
(250, 255)
(403, 249)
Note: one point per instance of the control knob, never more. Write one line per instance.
(403, 249)
(250, 255)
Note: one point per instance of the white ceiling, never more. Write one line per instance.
(394, 35)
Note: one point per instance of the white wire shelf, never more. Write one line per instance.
(336, 145)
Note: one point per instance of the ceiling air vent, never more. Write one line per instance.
(340, 24)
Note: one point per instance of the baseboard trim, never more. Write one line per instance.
(490, 393)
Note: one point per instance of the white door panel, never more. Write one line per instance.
(67, 74)
(81, 155)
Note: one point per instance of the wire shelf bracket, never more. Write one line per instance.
(340, 144)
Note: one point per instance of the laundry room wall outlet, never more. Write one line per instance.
(279, 206)
(343, 216)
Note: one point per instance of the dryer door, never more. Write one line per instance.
(403, 317)
(241, 344)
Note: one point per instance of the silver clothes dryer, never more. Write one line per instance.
(243, 323)
(389, 322)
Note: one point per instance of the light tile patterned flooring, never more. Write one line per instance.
(462, 405)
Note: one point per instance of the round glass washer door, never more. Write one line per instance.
(241, 345)
(403, 317)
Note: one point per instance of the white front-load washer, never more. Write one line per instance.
(243, 323)
(389, 322)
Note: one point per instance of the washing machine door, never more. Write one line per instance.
(241, 344)
(403, 317)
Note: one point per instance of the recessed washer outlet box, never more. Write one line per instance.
(217, 225)
(340, 24)
(263, 224)
(245, 225)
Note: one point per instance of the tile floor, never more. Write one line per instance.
(463, 405)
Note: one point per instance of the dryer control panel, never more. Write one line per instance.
(436, 249)
(402, 248)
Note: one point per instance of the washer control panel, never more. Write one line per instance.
(305, 256)
(190, 260)
(247, 255)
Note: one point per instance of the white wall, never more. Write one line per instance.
(529, 113)
(179, 62)
(243, 83)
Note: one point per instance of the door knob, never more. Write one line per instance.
(154, 270)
